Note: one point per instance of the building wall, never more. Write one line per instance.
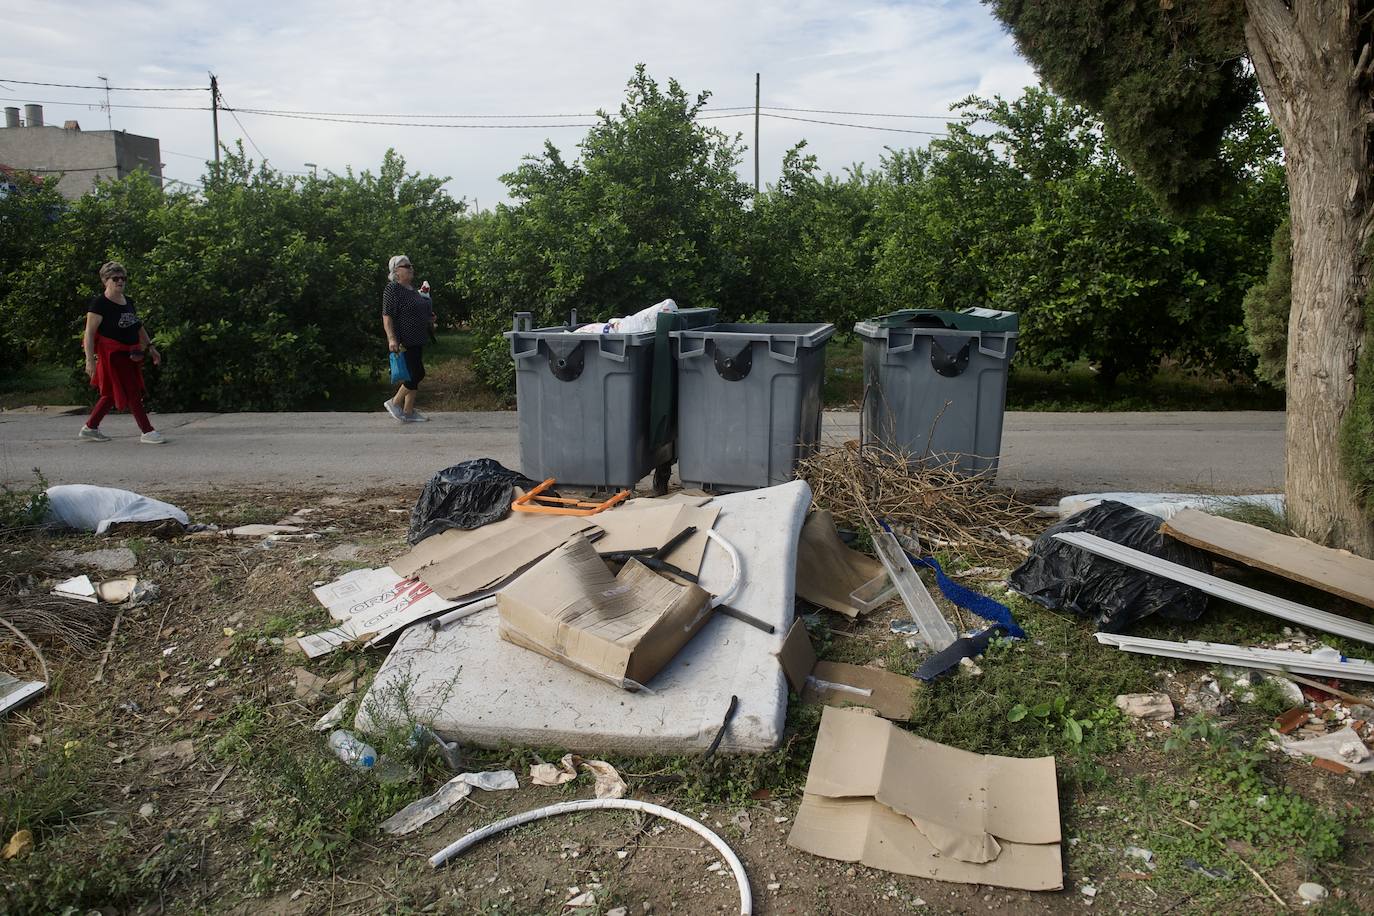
(81, 157)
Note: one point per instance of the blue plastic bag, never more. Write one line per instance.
(399, 372)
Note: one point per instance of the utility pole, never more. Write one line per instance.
(214, 112)
(756, 133)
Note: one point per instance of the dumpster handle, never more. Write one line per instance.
(688, 347)
(898, 333)
(522, 347)
(995, 354)
(784, 349)
(613, 348)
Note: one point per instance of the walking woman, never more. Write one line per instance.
(407, 316)
(116, 343)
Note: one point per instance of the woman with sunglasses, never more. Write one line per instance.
(116, 342)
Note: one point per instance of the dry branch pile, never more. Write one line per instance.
(948, 511)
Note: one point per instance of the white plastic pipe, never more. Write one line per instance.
(738, 567)
(746, 898)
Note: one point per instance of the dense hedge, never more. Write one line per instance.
(263, 288)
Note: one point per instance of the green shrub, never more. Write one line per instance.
(23, 509)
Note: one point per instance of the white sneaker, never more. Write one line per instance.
(92, 435)
(414, 417)
(392, 409)
(153, 438)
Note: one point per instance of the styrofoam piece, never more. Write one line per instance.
(469, 685)
(935, 630)
(1167, 505)
(1254, 599)
(1222, 653)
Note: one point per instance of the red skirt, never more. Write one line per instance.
(116, 375)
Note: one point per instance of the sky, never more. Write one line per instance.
(381, 60)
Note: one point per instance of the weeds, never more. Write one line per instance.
(23, 509)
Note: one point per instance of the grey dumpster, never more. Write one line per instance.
(749, 402)
(586, 402)
(935, 384)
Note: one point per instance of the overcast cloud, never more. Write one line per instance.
(519, 57)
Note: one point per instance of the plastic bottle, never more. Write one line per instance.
(350, 750)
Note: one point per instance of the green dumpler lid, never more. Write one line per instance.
(969, 319)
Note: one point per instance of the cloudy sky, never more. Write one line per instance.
(379, 61)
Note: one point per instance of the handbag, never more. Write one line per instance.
(399, 372)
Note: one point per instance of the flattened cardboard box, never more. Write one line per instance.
(828, 571)
(462, 562)
(621, 628)
(892, 800)
(840, 684)
(635, 527)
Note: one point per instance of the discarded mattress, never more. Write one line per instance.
(965, 817)
(88, 508)
(468, 684)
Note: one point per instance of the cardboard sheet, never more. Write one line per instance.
(457, 563)
(372, 604)
(629, 532)
(621, 628)
(827, 570)
(1338, 572)
(968, 817)
(841, 684)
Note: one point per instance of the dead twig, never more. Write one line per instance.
(1254, 874)
(109, 645)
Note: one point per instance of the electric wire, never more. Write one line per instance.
(110, 88)
(74, 104)
(247, 136)
(894, 130)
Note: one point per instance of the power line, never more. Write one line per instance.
(895, 130)
(102, 88)
(20, 98)
(187, 155)
(225, 106)
(376, 123)
(862, 114)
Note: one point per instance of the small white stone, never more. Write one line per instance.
(1311, 892)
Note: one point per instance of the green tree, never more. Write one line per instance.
(651, 209)
(1169, 79)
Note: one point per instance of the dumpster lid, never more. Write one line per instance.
(969, 319)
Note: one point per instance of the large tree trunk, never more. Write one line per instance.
(1313, 66)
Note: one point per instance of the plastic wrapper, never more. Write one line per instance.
(1060, 576)
(467, 495)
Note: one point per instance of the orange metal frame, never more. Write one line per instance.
(534, 501)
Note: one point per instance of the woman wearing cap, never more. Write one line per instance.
(407, 317)
(116, 342)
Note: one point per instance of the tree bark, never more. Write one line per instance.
(1309, 66)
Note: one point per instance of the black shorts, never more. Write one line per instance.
(415, 364)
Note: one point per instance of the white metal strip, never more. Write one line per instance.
(1222, 653)
(1220, 588)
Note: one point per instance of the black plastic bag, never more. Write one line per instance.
(1060, 576)
(467, 495)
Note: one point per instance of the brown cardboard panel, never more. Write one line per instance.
(827, 570)
(1009, 797)
(892, 800)
(1338, 572)
(863, 830)
(460, 562)
(889, 694)
(823, 682)
(622, 628)
(636, 529)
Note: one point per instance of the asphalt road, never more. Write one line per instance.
(1221, 452)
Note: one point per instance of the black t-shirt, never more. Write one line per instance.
(117, 322)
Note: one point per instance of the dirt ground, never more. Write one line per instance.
(189, 779)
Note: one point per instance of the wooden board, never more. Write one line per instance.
(1336, 571)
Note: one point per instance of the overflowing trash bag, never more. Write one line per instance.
(1060, 576)
(468, 495)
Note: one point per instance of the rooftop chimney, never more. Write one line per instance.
(33, 115)
(71, 125)
(11, 116)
